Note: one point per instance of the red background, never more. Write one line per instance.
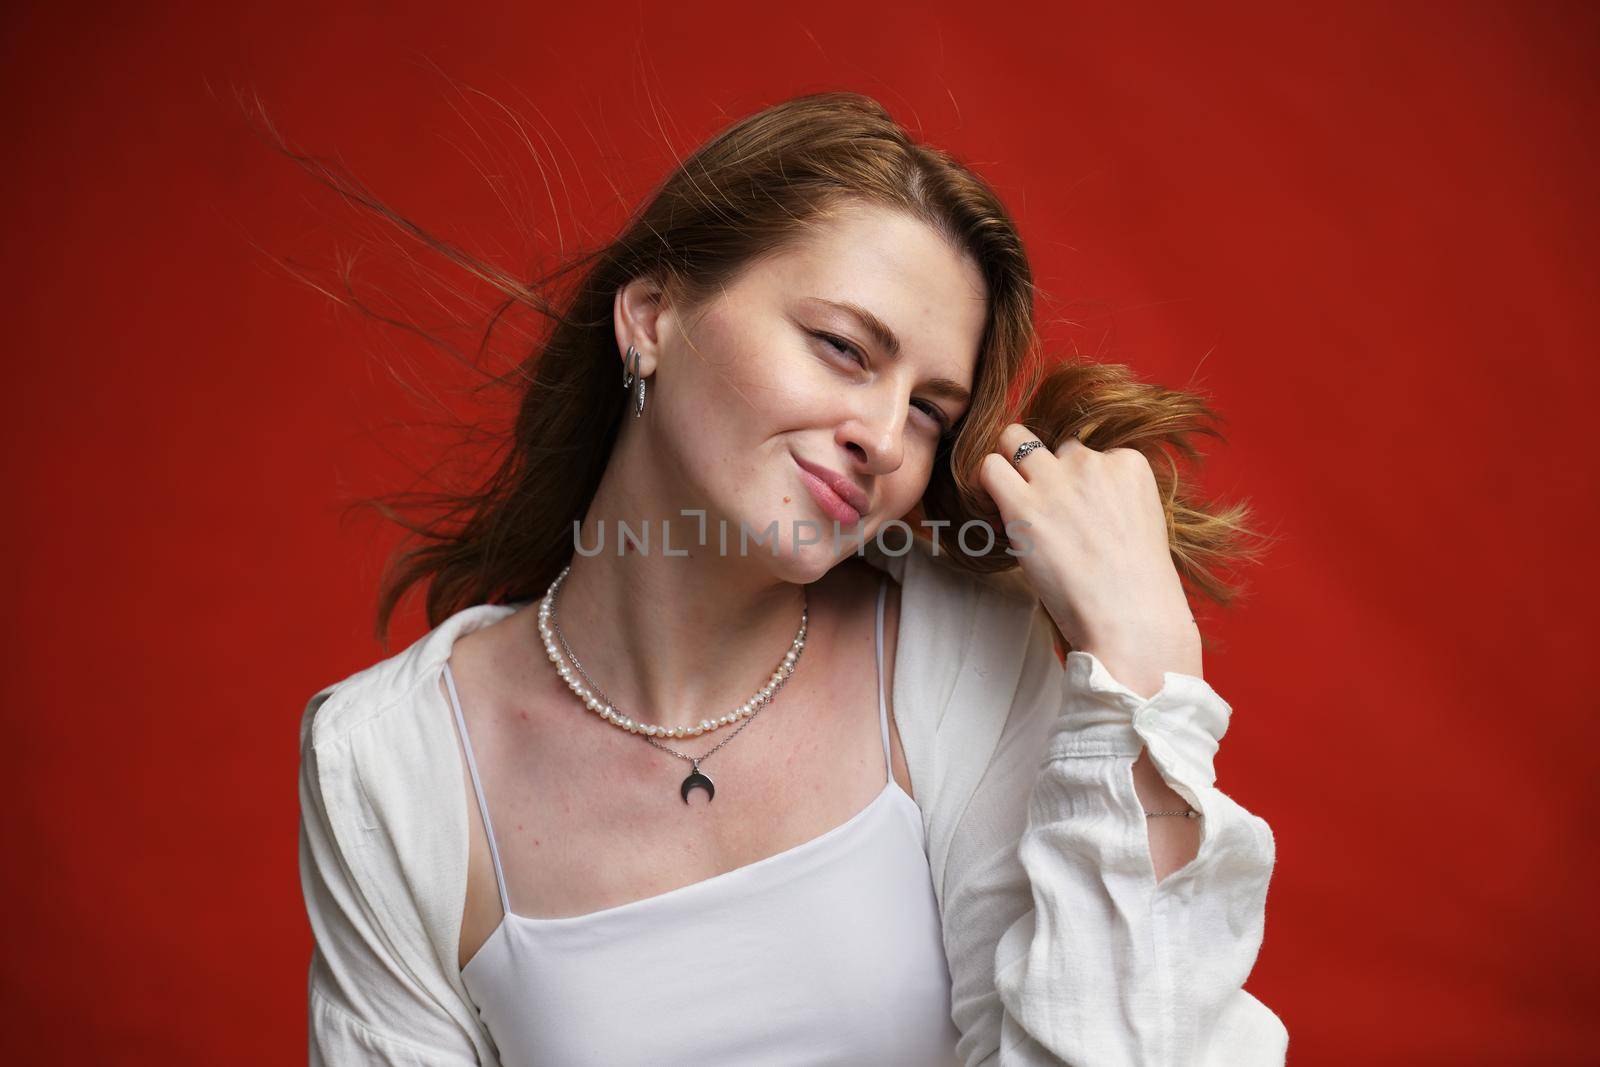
(1365, 234)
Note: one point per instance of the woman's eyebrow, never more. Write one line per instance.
(886, 339)
(880, 331)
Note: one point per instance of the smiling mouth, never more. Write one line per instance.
(828, 499)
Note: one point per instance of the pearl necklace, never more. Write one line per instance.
(596, 700)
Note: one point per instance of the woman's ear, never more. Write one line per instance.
(637, 314)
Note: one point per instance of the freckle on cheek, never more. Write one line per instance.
(785, 500)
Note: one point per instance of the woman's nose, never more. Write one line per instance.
(875, 436)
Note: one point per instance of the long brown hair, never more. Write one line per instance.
(744, 194)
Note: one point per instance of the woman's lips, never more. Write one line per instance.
(827, 499)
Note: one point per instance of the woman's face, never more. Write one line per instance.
(774, 388)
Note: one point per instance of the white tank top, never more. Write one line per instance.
(830, 952)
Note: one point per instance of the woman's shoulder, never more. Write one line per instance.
(963, 641)
(375, 693)
(947, 603)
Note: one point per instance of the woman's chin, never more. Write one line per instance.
(795, 550)
(803, 564)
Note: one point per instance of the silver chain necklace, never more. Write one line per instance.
(595, 700)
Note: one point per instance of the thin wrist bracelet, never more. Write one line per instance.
(1187, 812)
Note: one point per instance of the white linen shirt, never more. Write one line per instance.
(1062, 946)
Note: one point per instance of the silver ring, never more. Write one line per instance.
(1027, 446)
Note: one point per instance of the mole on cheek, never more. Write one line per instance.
(785, 500)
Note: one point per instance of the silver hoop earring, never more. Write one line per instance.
(630, 366)
(638, 407)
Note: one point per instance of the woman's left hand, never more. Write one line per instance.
(1090, 533)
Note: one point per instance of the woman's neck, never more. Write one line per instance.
(674, 639)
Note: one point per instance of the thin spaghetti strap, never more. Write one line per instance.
(883, 707)
(477, 787)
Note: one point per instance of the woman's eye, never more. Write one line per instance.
(936, 414)
(841, 346)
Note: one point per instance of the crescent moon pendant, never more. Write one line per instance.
(696, 780)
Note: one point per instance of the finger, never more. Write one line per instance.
(1012, 438)
(1070, 445)
(1004, 484)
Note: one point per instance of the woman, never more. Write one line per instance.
(696, 767)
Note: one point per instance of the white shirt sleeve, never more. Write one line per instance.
(1062, 946)
(363, 1005)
